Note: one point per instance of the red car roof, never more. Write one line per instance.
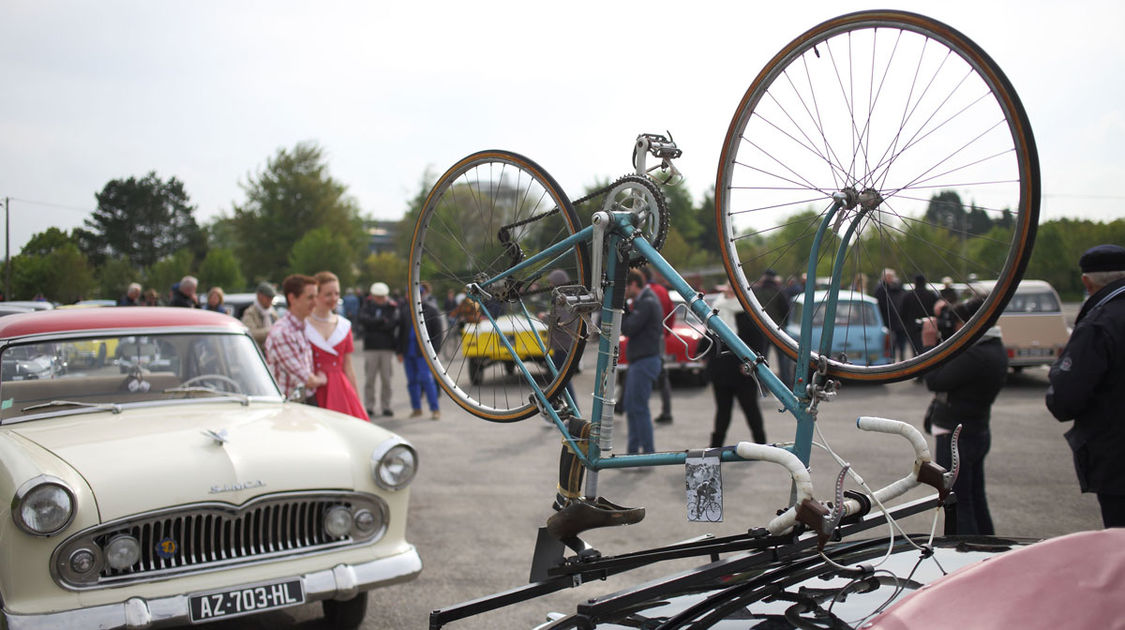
(110, 318)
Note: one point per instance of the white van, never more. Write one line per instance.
(1033, 326)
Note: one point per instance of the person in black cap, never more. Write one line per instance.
(1087, 380)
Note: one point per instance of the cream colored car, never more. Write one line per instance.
(186, 490)
(1032, 325)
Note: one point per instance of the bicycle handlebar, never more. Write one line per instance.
(924, 471)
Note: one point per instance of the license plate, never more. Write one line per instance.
(1034, 352)
(244, 601)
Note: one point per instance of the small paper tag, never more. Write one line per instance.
(704, 483)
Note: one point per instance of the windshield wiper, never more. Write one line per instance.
(201, 389)
(114, 407)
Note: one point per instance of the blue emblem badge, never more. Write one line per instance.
(166, 548)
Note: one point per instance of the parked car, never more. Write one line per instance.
(188, 489)
(1032, 325)
(481, 345)
(684, 347)
(861, 584)
(859, 334)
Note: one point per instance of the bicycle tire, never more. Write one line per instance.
(789, 148)
(457, 242)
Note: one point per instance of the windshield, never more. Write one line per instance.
(70, 374)
(847, 314)
(1044, 302)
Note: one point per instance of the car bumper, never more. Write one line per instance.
(343, 581)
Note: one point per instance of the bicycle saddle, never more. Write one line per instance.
(582, 514)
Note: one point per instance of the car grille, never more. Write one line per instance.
(213, 535)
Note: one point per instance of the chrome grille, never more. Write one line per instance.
(204, 536)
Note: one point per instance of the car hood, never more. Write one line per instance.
(143, 459)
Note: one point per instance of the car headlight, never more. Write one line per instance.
(122, 552)
(43, 506)
(394, 464)
(338, 522)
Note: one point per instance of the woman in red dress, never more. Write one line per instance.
(331, 339)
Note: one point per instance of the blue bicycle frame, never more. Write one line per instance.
(801, 399)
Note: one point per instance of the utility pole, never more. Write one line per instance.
(7, 252)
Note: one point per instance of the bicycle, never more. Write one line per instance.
(850, 151)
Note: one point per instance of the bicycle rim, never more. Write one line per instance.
(912, 109)
(457, 242)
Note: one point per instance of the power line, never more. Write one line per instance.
(52, 205)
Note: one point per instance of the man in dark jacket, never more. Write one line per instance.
(1087, 380)
(775, 300)
(642, 325)
(183, 293)
(889, 296)
(916, 306)
(964, 390)
(379, 318)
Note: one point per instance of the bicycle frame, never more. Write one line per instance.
(801, 399)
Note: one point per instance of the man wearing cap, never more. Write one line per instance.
(1087, 381)
(379, 318)
(261, 315)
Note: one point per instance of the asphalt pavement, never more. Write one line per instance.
(484, 489)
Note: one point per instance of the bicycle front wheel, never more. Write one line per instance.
(486, 214)
(914, 113)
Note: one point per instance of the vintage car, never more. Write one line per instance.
(882, 584)
(685, 344)
(859, 335)
(481, 345)
(1032, 325)
(187, 489)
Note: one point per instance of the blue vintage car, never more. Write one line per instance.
(860, 336)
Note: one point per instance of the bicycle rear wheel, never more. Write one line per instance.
(909, 108)
(486, 213)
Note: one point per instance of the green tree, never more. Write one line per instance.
(220, 269)
(143, 220)
(323, 250)
(384, 267)
(291, 197)
(114, 277)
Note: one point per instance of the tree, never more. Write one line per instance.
(114, 277)
(143, 220)
(293, 196)
(323, 250)
(51, 264)
(385, 267)
(220, 269)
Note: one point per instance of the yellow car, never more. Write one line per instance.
(481, 345)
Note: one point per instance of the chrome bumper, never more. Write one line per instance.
(343, 581)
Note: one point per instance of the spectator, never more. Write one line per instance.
(774, 300)
(419, 379)
(889, 296)
(288, 351)
(379, 317)
(641, 324)
(183, 293)
(725, 369)
(948, 293)
(668, 318)
(152, 299)
(132, 296)
(1087, 379)
(331, 338)
(352, 302)
(917, 305)
(260, 316)
(215, 299)
(964, 390)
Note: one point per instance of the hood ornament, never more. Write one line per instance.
(221, 437)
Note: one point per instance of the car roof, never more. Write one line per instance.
(113, 318)
(1025, 286)
(845, 296)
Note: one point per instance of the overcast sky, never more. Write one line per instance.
(207, 91)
